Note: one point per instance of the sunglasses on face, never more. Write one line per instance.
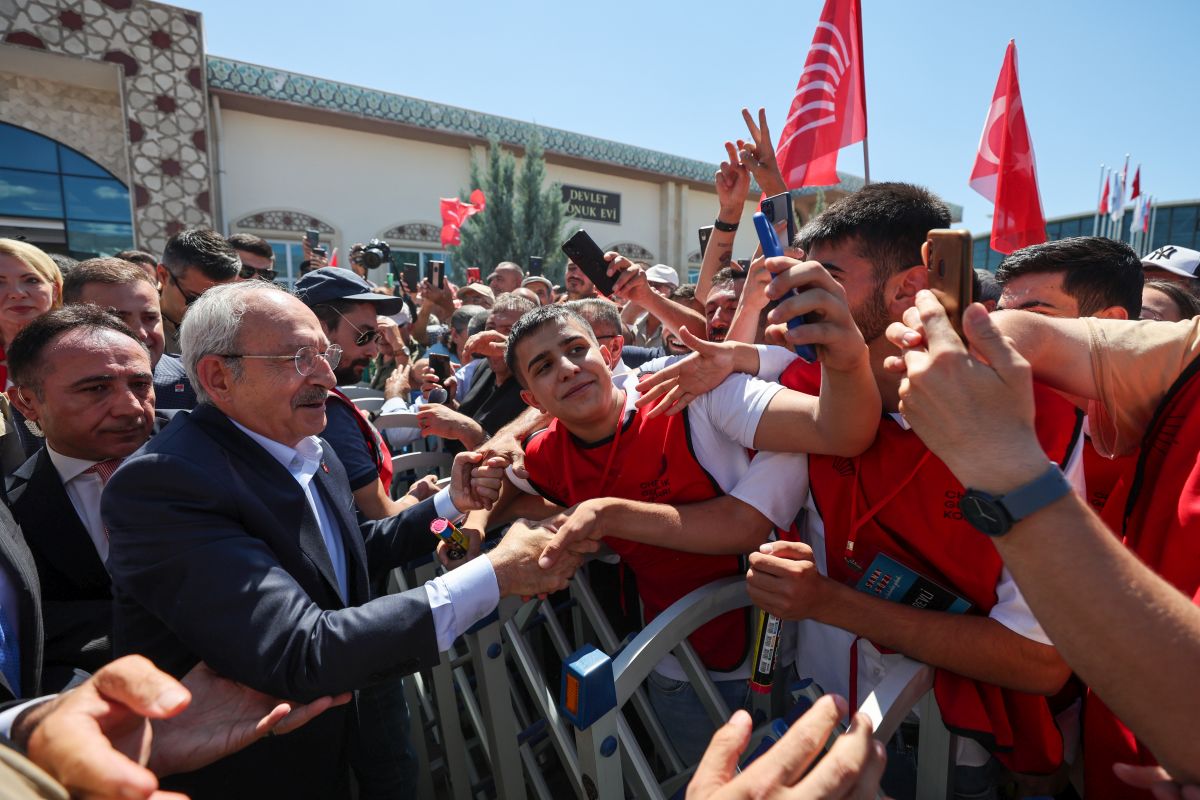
(188, 297)
(247, 273)
(365, 335)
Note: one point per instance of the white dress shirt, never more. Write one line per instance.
(84, 489)
(457, 599)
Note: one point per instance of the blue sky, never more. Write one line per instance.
(1099, 78)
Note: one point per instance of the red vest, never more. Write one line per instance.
(1103, 474)
(1156, 510)
(653, 463)
(899, 499)
(371, 438)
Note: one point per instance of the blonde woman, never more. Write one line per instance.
(30, 285)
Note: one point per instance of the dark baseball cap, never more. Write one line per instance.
(327, 284)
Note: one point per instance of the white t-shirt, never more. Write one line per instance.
(722, 424)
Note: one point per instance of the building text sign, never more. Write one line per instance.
(592, 204)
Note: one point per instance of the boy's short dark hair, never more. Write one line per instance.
(529, 323)
(887, 221)
(203, 249)
(250, 243)
(1098, 272)
(137, 257)
(108, 271)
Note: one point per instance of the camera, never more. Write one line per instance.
(375, 253)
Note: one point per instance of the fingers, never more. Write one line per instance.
(994, 348)
(135, 682)
(719, 762)
(298, 716)
(939, 333)
(851, 768)
(750, 126)
(794, 551)
(764, 133)
(903, 336)
(784, 763)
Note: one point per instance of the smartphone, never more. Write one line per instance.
(778, 208)
(312, 236)
(474, 275)
(947, 255)
(535, 265)
(705, 234)
(437, 274)
(588, 256)
(320, 251)
(411, 274)
(440, 364)
(771, 248)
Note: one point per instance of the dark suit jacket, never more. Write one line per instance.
(17, 567)
(216, 556)
(76, 590)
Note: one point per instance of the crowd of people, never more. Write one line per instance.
(199, 522)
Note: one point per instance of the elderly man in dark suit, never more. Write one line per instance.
(85, 380)
(234, 540)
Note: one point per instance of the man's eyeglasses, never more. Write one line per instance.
(188, 297)
(305, 358)
(248, 272)
(364, 336)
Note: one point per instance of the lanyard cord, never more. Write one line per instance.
(856, 522)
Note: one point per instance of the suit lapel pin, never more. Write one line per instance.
(325, 467)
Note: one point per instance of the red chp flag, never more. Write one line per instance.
(829, 109)
(455, 212)
(1005, 172)
(1137, 183)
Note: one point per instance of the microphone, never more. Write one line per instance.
(438, 395)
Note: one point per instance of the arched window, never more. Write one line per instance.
(59, 199)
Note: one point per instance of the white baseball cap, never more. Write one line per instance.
(661, 273)
(1179, 260)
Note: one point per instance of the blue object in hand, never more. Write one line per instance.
(771, 248)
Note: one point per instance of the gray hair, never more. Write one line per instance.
(213, 325)
(598, 311)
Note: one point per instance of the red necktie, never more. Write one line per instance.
(105, 470)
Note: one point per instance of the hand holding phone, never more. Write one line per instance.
(437, 274)
(312, 236)
(777, 209)
(588, 256)
(771, 248)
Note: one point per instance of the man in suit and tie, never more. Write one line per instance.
(83, 377)
(235, 540)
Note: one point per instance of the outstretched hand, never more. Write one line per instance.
(674, 387)
(851, 768)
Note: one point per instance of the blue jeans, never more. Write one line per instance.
(679, 710)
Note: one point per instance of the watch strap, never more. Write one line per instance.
(727, 227)
(1037, 494)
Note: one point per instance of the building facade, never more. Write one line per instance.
(1176, 223)
(117, 130)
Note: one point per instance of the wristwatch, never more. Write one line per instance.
(995, 516)
(727, 227)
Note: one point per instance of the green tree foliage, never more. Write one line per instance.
(523, 218)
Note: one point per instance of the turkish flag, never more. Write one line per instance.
(1005, 172)
(1137, 183)
(829, 109)
(455, 212)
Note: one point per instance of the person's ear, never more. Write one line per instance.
(18, 397)
(900, 290)
(530, 400)
(1112, 312)
(216, 377)
(162, 275)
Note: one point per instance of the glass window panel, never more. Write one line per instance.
(26, 149)
(94, 199)
(31, 194)
(71, 163)
(92, 239)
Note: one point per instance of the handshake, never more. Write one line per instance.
(475, 484)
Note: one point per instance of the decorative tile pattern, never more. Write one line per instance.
(634, 252)
(88, 120)
(282, 220)
(273, 84)
(160, 49)
(414, 232)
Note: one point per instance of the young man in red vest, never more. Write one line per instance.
(678, 498)
(893, 510)
(1132, 635)
(1081, 276)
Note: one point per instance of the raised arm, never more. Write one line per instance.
(733, 184)
(631, 284)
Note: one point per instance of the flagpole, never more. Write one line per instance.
(1153, 221)
(866, 162)
(1099, 194)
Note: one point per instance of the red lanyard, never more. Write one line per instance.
(856, 522)
(612, 454)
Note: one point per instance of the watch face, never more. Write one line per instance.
(984, 513)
